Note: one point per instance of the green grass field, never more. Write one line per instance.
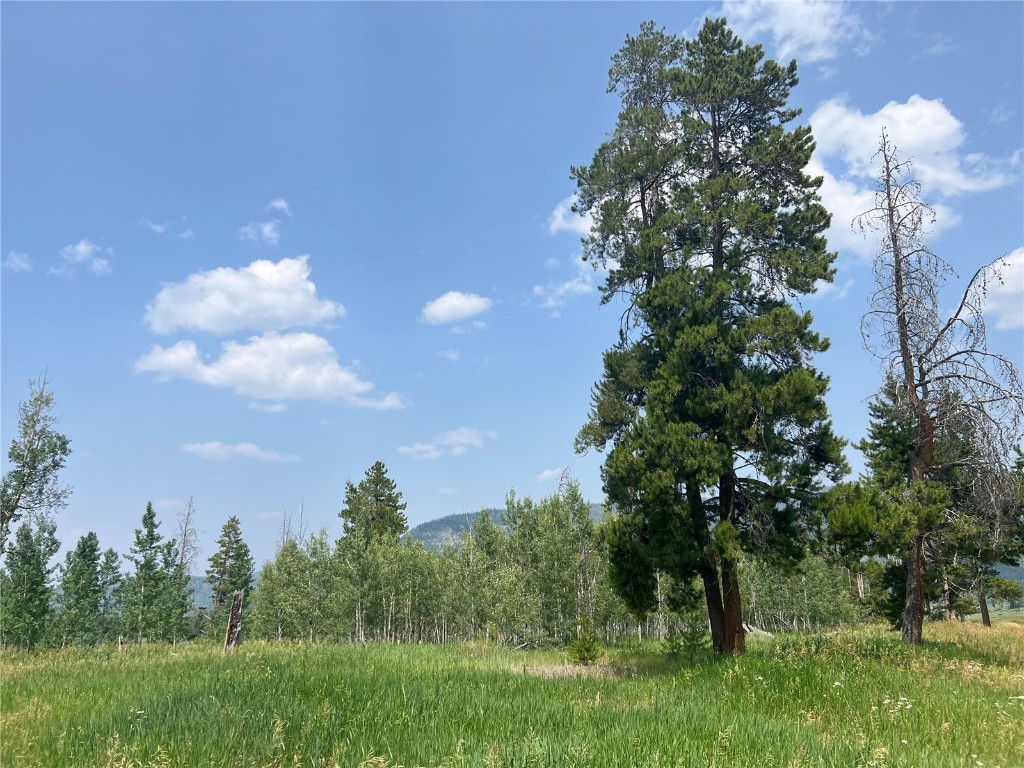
(853, 698)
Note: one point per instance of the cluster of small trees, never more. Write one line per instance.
(89, 599)
(537, 574)
(528, 580)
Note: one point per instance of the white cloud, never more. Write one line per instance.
(421, 451)
(279, 204)
(1004, 298)
(263, 232)
(18, 262)
(557, 292)
(923, 130)
(271, 367)
(154, 227)
(939, 45)
(215, 450)
(449, 354)
(268, 407)
(808, 30)
(262, 296)
(454, 306)
(550, 474)
(563, 219)
(462, 330)
(84, 253)
(448, 491)
(453, 443)
(188, 234)
(269, 515)
(832, 290)
(1000, 112)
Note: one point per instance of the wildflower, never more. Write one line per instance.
(837, 684)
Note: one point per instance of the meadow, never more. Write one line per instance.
(849, 698)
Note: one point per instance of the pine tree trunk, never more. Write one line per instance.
(913, 607)
(735, 641)
(986, 619)
(708, 571)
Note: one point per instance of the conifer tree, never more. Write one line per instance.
(141, 591)
(707, 224)
(231, 566)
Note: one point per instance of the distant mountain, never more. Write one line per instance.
(450, 530)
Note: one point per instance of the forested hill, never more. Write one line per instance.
(450, 529)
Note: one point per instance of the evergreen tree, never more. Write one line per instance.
(708, 224)
(81, 593)
(144, 590)
(373, 522)
(25, 613)
(231, 566)
(374, 509)
(111, 594)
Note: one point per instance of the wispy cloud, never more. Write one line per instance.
(938, 44)
(1004, 297)
(810, 31)
(264, 296)
(1000, 112)
(17, 262)
(154, 227)
(453, 443)
(268, 407)
(451, 355)
(215, 450)
(555, 293)
(280, 204)
(262, 232)
(271, 368)
(832, 290)
(453, 307)
(564, 219)
(84, 253)
(548, 475)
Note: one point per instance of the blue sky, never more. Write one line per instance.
(257, 247)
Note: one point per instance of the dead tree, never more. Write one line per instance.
(233, 635)
(929, 356)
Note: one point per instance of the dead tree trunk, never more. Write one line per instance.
(233, 635)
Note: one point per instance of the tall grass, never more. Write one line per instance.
(852, 698)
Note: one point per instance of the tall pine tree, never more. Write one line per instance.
(708, 224)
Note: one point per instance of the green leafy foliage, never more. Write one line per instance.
(25, 611)
(37, 455)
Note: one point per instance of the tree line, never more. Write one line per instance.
(537, 577)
